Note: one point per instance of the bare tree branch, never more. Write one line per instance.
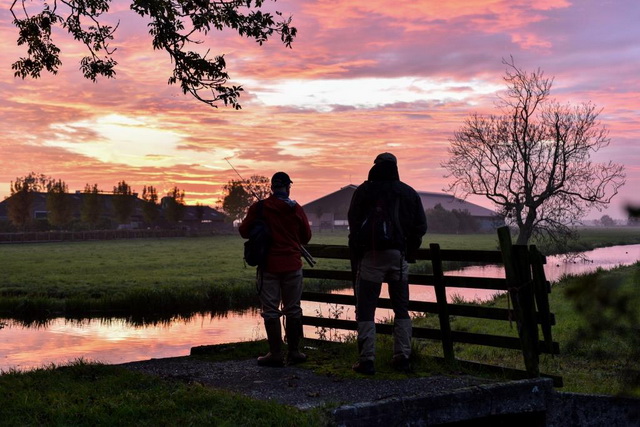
(534, 160)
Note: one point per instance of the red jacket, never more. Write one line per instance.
(289, 229)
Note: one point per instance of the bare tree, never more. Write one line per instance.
(533, 161)
(259, 186)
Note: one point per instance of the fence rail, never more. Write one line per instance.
(524, 281)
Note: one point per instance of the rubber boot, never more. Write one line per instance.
(274, 338)
(401, 344)
(294, 335)
(366, 347)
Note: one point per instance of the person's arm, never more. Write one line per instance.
(354, 216)
(305, 228)
(420, 218)
(418, 229)
(354, 221)
(247, 222)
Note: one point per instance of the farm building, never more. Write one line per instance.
(330, 211)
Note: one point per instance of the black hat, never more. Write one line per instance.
(385, 157)
(280, 179)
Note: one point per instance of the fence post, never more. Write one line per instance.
(518, 274)
(542, 289)
(441, 299)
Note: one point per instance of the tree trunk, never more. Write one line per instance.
(523, 236)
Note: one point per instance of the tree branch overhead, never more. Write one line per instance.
(172, 24)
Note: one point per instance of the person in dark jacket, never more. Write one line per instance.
(280, 280)
(388, 262)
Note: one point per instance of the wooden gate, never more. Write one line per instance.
(524, 281)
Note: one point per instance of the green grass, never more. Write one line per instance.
(146, 277)
(597, 237)
(99, 395)
(156, 279)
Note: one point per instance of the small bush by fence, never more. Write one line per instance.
(524, 281)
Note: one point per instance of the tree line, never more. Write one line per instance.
(61, 210)
(455, 221)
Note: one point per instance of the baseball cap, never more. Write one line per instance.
(280, 179)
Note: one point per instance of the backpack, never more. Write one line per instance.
(256, 247)
(381, 228)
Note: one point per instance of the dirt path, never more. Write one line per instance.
(295, 386)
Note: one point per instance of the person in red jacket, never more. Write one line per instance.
(280, 280)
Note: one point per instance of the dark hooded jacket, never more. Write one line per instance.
(384, 179)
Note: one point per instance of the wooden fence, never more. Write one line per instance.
(524, 281)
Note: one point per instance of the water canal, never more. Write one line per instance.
(117, 341)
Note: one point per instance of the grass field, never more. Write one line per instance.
(157, 278)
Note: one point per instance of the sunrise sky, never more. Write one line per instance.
(363, 77)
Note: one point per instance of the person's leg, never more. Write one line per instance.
(401, 344)
(270, 301)
(291, 294)
(399, 295)
(274, 357)
(368, 286)
(269, 295)
(367, 294)
(291, 291)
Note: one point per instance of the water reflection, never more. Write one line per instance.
(117, 340)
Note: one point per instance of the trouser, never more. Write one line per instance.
(281, 289)
(375, 268)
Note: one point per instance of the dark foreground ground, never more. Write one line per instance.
(296, 385)
(436, 400)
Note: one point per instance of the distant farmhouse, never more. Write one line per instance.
(330, 211)
(194, 217)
